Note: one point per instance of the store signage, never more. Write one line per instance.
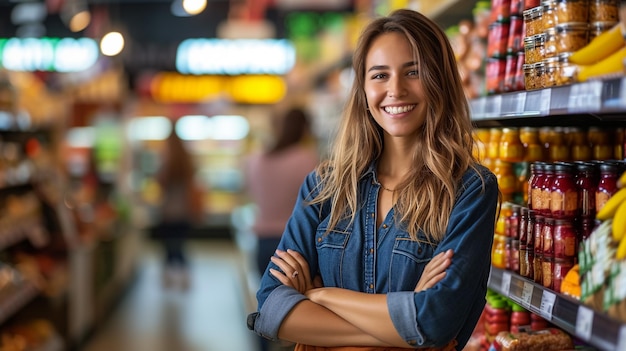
(235, 56)
(48, 54)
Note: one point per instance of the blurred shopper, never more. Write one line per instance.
(389, 243)
(273, 178)
(180, 210)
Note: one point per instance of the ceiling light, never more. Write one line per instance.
(112, 44)
(194, 7)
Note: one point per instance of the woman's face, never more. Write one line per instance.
(393, 88)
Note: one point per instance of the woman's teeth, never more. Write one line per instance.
(394, 110)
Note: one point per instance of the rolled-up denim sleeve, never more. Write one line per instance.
(401, 306)
(275, 309)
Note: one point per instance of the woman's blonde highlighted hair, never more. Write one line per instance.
(443, 148)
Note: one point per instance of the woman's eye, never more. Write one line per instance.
(412, 73)
(378, 76)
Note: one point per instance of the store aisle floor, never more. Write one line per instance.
(209, 316)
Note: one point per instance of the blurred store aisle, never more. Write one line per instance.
(210, 316)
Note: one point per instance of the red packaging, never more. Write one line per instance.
(529, 4)
(515, 41)
(498, 39)
(517, 6)
(500, 10)
(495, 75)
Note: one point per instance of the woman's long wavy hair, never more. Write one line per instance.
(443, 148)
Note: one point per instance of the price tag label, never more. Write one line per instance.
(506, 283)
(527, 294)
(584, 322)
(544, 107)
(520, 102)
(621, 340)
(494, 106)
(547, 304)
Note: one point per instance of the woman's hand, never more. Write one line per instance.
(295, 271)
(434, 271)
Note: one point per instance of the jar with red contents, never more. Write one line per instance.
(546, 190)
(495, 75)
(607, 185)
(529, 4)
(584, 227)
(517, 7)
(560, 269)
(537, 179)
(565, 239)
(498, 39)
(519, 72)
(538, 248)
(523, 224)
(547, 238)
(564, 194)
(500, 9)
(586, 181)
(513, 222)
(510, 73)
(515, 41)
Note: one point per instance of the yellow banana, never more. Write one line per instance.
(620, 253)
(621, 182)
(610, 207)
(618, 228)
(614, 64)
(600, 47)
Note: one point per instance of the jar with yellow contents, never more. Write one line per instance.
(493, 147)
(506, 178)
(533, 150)
(579, 145)
(511, 148)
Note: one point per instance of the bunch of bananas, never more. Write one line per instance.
(603, 56)
(615, 211)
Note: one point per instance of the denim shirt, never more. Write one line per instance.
(385, 260)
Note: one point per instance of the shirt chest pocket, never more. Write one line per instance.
(331, 249)
(407, 263)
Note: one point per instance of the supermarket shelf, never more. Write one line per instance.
(594, 327)
(597, 101)
(13, 298)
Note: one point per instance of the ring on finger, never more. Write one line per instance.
(294, 274)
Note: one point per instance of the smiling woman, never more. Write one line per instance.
(395, 266)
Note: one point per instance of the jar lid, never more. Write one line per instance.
(551, 60)
(603, 24)
(563, 167)
(564, 57)
(576, 26)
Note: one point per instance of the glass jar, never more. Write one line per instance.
(537, 268)
(586, 181)
(513, 222)
(482, 140)
(549, 14)
(515, 41)
(500, 10)
(530, 230)
(550, 47)
(501, 222)
(533, 22)
(607, 184)
(564, 194)
(533, 151)
(525, 262)
(506, 178)
(584, 228)
(618, 145)
(547, 238)
(495, 72)
(511, 148)
(517, 7)
(600, 139)
(547, 271)
(579, 145)
(565, 239)
(538, 234)
(537, 180)
(493, 147)
(498, 257)
(497, 39)
(599, 27)
(551, 72)
(560, 269)
(558, 150)
(510, 72)
(514, 258)
(546, 190)
(520, 83)
(529, 4)
(572, 11)
(534, 48)
(604, 10)
(571, 37)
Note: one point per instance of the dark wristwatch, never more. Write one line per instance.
(251, 319)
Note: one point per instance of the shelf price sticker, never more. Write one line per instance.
(506, 283)
(584, 323)
(547, 304)
(527, 294)
(585, 97)
(621, 341)
(546, 96)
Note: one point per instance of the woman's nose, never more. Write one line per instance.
(396, 88)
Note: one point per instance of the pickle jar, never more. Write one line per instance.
(564, 194)
(572, 11)
(571, 36)
(565, 240)
(586, 181)
(604, 10)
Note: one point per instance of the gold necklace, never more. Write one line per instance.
(385, 188)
